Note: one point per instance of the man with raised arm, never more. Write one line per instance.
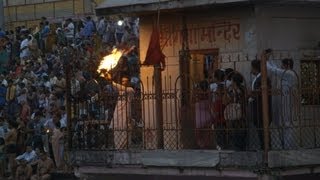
(121, 121)
(288, 83)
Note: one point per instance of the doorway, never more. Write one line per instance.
(203, 63)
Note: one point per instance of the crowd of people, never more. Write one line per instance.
(233, 108)
(34, 66)
(37, 65)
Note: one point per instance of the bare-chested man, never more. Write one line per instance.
(45, 168)
(24, 170)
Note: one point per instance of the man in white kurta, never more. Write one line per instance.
(121, 122)
(289, 101)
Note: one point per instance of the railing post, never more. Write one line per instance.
(159, 108)
(68, 58)
(187, 123)
(68, 108)
(265, 106)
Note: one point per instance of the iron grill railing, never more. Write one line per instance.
(211, 120)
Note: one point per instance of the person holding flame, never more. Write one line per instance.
(122, 114)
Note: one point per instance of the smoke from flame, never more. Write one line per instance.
(110, 61)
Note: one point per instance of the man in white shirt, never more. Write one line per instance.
(101, 27)
(69, 30)
(29, 155)
(288, 105)
(24, 48)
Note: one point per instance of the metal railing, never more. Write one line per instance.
(227, 119)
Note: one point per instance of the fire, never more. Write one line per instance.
(111, 60)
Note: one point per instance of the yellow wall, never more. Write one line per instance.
(29, 12)
(205, 31)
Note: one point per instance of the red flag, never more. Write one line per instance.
(154, 53)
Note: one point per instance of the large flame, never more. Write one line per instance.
(110, 61)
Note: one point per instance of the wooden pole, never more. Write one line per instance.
(265, 106)
(186, 111)
(158, 91)
(159, 108)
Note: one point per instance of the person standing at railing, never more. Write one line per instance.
(289, 100)
(57, 141)
(122, 69)
(217, 89)
(122, 114)
(204, 121)
(234, 113)
(255, 100)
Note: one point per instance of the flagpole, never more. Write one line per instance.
(188, 140)
(158, 92)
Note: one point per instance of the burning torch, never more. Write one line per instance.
(108, 63)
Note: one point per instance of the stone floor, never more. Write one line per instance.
(205, 163)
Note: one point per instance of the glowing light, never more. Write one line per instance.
(120, 23)
(110, 61)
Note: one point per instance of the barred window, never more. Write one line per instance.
(310, 81)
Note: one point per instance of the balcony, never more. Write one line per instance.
(195, 136)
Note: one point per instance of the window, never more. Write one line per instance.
(203, 63)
